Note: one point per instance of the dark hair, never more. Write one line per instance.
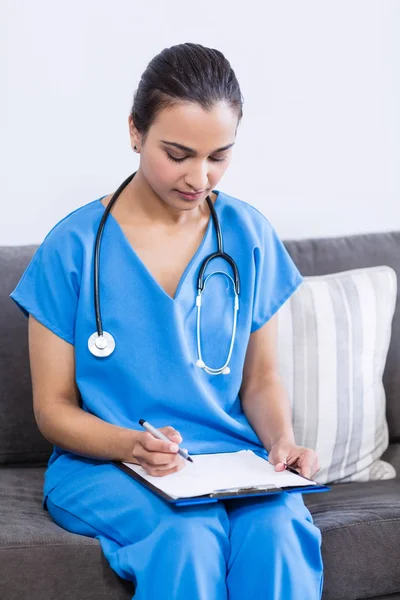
(184, 73)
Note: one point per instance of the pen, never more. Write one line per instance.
(290, 469)
(296, 472)
(159, 435)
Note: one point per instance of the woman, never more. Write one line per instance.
(183, 124)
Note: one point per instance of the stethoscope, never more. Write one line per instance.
(102, 344)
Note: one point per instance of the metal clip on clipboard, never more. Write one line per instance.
(254, 489)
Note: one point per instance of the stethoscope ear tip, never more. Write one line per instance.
(200, 363)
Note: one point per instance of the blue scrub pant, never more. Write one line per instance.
(264, 548)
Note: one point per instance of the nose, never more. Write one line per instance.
(197, 177)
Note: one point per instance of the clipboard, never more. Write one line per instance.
(225, 494)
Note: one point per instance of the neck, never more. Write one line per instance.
(142, 203)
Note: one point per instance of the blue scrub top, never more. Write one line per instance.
(152, 373)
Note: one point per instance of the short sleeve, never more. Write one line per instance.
(276, 276)
(49, 287)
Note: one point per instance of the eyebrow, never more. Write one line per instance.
(191, 150)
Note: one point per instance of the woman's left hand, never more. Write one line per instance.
(304, 460)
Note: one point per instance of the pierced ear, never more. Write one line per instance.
(133, 134)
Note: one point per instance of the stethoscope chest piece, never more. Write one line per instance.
(101, 345)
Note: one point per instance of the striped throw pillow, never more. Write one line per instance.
(333, 339)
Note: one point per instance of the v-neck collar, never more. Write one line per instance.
(149, 275)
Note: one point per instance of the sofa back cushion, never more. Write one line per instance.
(333, 337)
(20, 440)
(331, 255)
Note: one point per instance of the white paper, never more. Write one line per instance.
(212, 472)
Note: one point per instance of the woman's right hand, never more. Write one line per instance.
(157, 457)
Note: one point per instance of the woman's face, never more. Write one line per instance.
(187, 149)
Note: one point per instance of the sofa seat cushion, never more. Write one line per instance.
(360, 525)
(39, 559)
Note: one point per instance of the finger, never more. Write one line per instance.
(171, 465)
(305, 463)
(294, 467)
(151, 459)
(317, 467)
(291, 460)
(155, 472)
(152, 444)
(160, 459)
(171, 432)
(280, 466)
(151, 456)
(278, 463)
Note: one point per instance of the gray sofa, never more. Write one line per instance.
(360, 522)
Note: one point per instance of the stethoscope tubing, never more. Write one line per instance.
(103, 344)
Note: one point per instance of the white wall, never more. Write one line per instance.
(318, 150)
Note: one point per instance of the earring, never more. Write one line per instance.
(136, 149)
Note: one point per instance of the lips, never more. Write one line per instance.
(190, 195)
